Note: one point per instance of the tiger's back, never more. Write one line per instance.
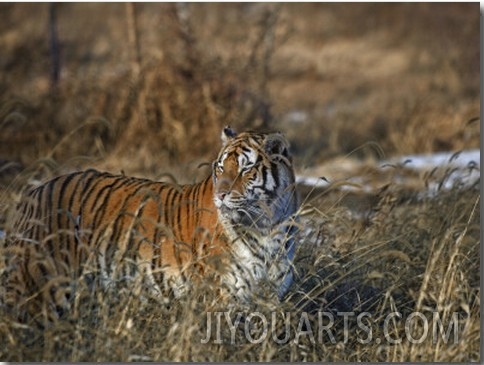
(113, 227)
(86, 221)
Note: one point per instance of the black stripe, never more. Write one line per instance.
(101, 190)
(71, 240)
(73, 194)
(255, 247)
(27, 208)
(76, 215)
(246, 149)
(160, 207)
(37, 211)
(88, 196)
(176, 210)
(149, 185)
(256, 253)
(191, 197)
(242, 274)
(157, 236)
(74, 189)
(53, 206)
(63, 210)
(100, 209)
(169, 207)
(30, 205)
(136, 216)
(202, 188)
(275, 175)
(48, 206)
(86, 188)
(137, 185)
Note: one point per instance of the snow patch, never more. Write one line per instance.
(317, 182)
(445, 171)
(458, 159)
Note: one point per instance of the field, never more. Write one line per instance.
(388, 265)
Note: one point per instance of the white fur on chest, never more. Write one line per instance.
(255, 258)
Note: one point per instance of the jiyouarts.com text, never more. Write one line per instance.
(329, 327)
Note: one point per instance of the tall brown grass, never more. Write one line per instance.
(422, 255)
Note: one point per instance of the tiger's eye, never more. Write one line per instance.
(246, 168)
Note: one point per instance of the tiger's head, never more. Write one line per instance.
(254, 183)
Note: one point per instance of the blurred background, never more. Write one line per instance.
(146, 88)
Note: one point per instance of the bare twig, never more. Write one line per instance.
(54, 48)
(133, 39)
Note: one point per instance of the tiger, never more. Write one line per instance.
(109, 227)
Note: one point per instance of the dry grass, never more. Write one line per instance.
(420, 256)
(333, 78)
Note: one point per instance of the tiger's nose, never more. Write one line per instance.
(223, 188)
(222, 194)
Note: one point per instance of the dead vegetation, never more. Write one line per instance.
(338, 81)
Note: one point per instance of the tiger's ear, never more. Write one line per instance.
(227, 134)
(276, 144)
